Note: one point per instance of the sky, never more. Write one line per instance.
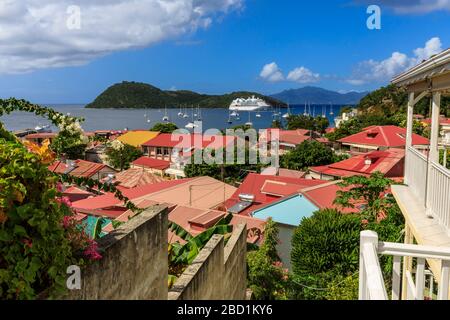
(69, 51)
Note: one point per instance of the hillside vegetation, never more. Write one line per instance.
(142, 95)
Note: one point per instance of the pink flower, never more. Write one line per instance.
(28, 243)
(278, 264)
(64, 200)
(59, 187)
(91, 252)
(66, 221)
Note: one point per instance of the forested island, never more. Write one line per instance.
(136, 95)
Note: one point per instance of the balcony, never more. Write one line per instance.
(408, 282)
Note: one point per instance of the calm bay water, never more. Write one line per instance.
(118, 119)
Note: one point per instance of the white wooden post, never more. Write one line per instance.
(434, 151)
(420, 278)
(396, 277)
(407, 263)
(409, 129)
(444, 293)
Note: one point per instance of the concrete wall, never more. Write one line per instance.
(134, 263)
(218, 272)
(284, 247)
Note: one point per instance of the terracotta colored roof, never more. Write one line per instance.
(151, 163)
(279, 189)
(82, 168)
(330, 130)
(383, 136)
(382, 161)
(254, 183)
(136, 177)
(187, 141)
(136, 138)
(195, 221)
(442, 121)
(42, 135)
(324, 195)
(291, 173)
(109, 200)
(76, 194)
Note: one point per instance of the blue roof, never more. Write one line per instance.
(290, 210)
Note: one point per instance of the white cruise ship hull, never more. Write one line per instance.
(247, 108)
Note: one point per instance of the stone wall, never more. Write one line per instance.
(218, 272)
(134, 263)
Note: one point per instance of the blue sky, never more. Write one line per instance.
(328, 43)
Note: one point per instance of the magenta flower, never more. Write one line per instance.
(91, 252)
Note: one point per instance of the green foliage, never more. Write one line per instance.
(309, 153)
(183, 255)
(232, 173)
(307, 122)
(121, 158)
(326, 241)
(343, 288)
(371, 191)
(266, 277)
(142, 95)
(164, 127)
(277, 124)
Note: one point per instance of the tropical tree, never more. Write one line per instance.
(307, 122)
(267, 278)
(370, 192)
(71, 141)
(121, 155)
(164, 127)
(307, 154)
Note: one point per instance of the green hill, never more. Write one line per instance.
(142, 95)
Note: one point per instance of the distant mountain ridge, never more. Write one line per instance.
(135, 95)
(316, 95)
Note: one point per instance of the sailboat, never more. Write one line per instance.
(288, 114)
(180, 114)
(185, 115)
(258, 115)
(331, 109)
(199, 114)
(324, 111)
(249, 123)
(230, 121)
(305, 113)
(191, 125)
(166, 117)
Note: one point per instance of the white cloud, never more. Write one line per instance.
(34, 33)
(303, 75)
(271, 72)
(379, 71)
(411, 6)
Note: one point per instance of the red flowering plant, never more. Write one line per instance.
(39, 235)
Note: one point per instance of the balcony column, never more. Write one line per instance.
(407, 261)
(409, 131)
(436, 107)
(434, 140)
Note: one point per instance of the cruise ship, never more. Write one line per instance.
(250, 104)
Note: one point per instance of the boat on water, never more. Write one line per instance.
(166, 117)
(43, 129)
(249, 104)
(288, 114)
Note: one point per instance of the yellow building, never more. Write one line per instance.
(137, 138)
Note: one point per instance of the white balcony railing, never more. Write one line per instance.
(416, 172)
(430, 182)
(371, 281)
(439, 197)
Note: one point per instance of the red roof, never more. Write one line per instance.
(383, 136)
(41, 135)
(109, 200)
(136, 177)
(76, 194)
(186, 141)
(324, 195)
(267, 189)
(82, 168)
(151, 163)
(366, 164)
(442, 121)
(293, 137)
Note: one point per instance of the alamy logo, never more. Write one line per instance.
(74, 19)
(374, 20)
(74, 280)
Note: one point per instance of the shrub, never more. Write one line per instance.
(121, 155)
(326, 241)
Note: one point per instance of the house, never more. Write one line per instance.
(390, 162)
(40, 137)
(380, 138)
(82, 168)
(178, 148)
(202, 192)
(290, 139)
(444, 126)
(152, 165)
(259, 190)
(136, 138)
(422, 262)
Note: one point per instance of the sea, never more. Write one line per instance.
(134, 119)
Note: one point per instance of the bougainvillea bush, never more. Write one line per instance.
(39, 236)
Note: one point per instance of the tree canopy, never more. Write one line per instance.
(307, 154)
(164, 127)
